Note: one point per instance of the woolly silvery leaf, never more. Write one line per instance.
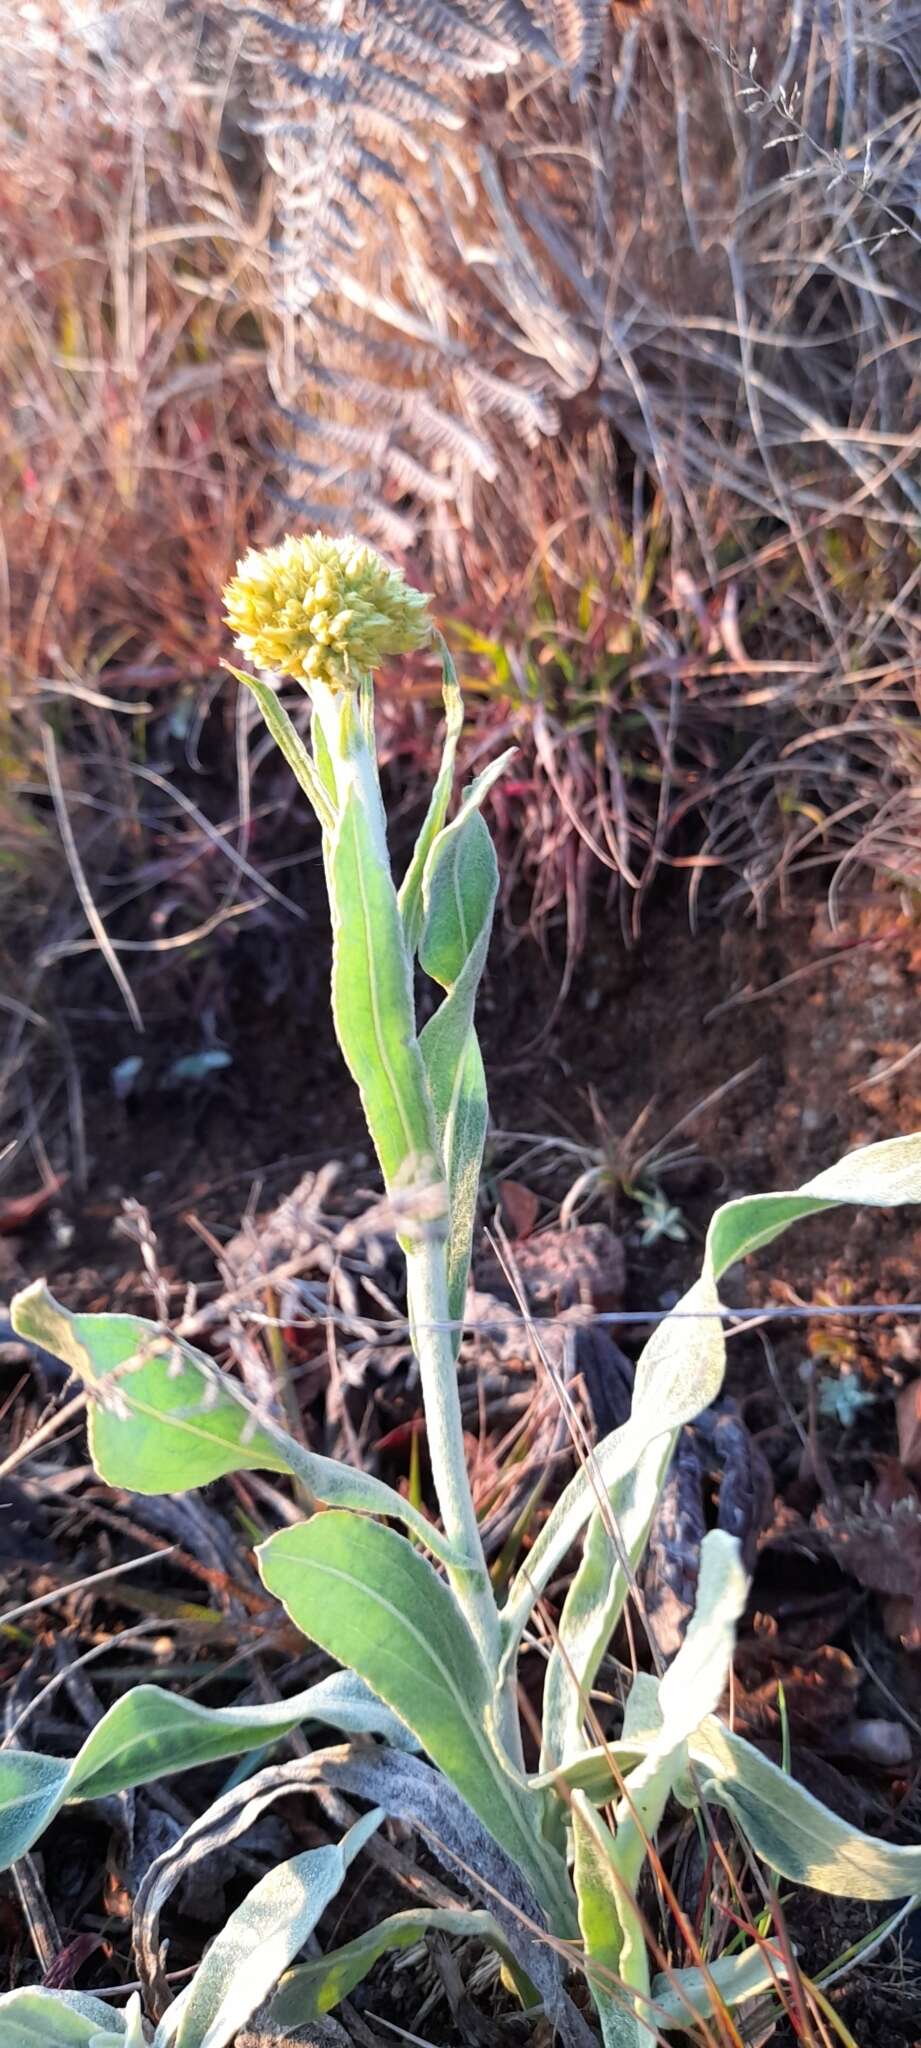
(35, 2018)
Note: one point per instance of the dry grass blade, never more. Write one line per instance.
(64, 1592)
(80, 882)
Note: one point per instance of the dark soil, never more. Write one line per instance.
(807, 1016)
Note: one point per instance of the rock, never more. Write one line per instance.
(562, 1269)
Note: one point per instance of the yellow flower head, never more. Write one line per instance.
(323, 610)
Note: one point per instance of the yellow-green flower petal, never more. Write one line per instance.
(316, 608)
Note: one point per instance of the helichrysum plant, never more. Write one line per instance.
(405, 1606)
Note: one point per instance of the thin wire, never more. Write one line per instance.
(622, 1318)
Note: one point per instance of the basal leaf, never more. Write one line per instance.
(691, 1688)
(318, 1987)
(162, 1418)
(606, 1913)
(375, 1604)
(595, 1602)
(793, 1832)
(259, 1942)
(149, 1734)
(695, 1682)
(135, 2031)
(726, 1982)
(668, 1401)
(875, 1176)
(35, 2018)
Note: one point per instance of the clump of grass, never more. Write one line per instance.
(130, 387)
(661, 445)
(129, 356)
(683, 299)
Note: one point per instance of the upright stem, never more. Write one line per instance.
(350, 746)
(427, 1289)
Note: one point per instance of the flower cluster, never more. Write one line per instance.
(323, 610)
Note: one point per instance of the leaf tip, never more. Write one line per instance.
(42, 1321)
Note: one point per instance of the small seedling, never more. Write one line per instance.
(405, 1605)
(661, 1218)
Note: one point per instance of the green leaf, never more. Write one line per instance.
(410, 894)
(149, 1734)
(373, 1003)
(604, 1913)
(368, 1598)
(463, 1141)
(258, 1943)
(163, 1418)
(675, 1389)
(695, 1681)
(476, 792)
(135, 2030)
(691, 1688)
(793, 1832)
(680, 1371)
(289, 743)
(318, 1987)
(595, 1602)
(324, 760)
(726, 1982)
(459, 892)
(34, 2018)
(592, 1773)
(876, 1176)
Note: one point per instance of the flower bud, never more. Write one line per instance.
(322, 609)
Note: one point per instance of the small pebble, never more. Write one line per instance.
(881, 1742)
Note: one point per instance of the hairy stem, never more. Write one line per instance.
(348, 736)
(432, 1340)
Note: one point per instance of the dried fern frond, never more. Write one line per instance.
(521, 24)
(579, 32)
